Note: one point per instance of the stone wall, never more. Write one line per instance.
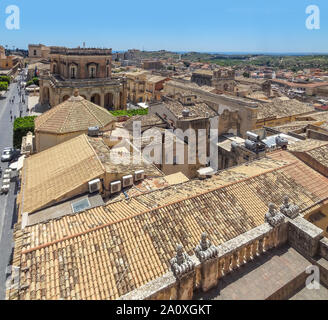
(314, 134)
(304, 237)
(246, 110)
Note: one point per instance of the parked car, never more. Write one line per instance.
(8, 154)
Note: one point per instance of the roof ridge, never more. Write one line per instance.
(70, 110)
(91, 112)
(94, 151)
(155, 209)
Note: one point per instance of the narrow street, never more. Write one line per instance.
(8, 215)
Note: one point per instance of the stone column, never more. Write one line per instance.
(117, 100)
(102, 100)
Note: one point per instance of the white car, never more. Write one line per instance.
(4, 189)
(7, 155)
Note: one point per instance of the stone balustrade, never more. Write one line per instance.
(83, 82)
(231, 256)
(210, 263)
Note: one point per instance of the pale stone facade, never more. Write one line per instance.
(224, 80)
(38, 51)
(236, 115)
(136, 86)
(88, 70)
(9, 62)
(144, 87)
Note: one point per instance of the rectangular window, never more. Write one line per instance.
(92, 75)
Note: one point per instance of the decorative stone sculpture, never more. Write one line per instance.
(205, 250)
(273, 217)
(182, 263)
(289, 210)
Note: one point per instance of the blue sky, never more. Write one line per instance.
(206, 25)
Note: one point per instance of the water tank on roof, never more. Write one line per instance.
(234, 146)
(250, 145)
(186, 113)
(93, 131)
(281, 142)
(252, 136)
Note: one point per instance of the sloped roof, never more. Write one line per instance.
(280, 108)
(75, 114)
(147, 121)
(197, 110)
(50, 174)
(105, 253)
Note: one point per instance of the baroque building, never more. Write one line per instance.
(89, 71)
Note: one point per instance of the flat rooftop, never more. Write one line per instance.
(261, 278)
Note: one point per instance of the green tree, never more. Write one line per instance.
(5, 79)
(36, 81)
(21, 127)
(3, 86)
(129, 113)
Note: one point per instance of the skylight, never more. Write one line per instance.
(81, 205)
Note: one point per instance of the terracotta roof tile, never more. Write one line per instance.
(49, 175)
(75, 114)
(133, 248)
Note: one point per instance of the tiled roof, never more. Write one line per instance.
(147, 121)
(293, 126)
(113, 164)
(320, 154)
(51, 174)
(105, 253)
(196, 110)
(280, 108)
(155, 79)
(306, 145)
(75, 114)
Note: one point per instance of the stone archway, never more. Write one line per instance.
(65, 98)
(95, 98)
(109, 101)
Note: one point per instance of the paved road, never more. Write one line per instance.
(8, 215)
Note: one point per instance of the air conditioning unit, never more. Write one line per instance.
(115, 187)
(139, 175)
(127, 181)
(94, 186)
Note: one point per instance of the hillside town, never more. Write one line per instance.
(139, 175)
